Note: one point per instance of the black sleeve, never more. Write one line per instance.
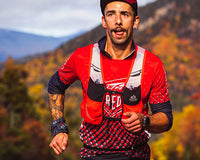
(164, 108)
(56, 86)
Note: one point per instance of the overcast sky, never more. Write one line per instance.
(51, 17)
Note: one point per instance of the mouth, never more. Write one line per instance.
(119, 32)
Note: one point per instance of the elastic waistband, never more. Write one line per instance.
(108, 149)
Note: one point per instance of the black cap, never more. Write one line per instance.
(133, 4)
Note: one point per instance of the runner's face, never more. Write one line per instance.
(119, 22)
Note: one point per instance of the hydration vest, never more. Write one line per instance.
(108, 101)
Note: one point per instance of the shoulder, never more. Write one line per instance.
(153, 66)
(151, 60)
(78, 58)
(83, 51)
(151, 57)
(80, 55)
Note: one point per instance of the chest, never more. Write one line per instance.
(115, 71)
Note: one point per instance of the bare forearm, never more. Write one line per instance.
(56, 105)
(158, 123)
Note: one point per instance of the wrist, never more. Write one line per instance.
(59, 126)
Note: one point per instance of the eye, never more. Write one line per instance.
(110, 14)
(125, 14)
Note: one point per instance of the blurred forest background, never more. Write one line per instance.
(168, 28)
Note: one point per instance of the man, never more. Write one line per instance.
(118, 79)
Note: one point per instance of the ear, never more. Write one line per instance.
(104, 22)
(136, 22)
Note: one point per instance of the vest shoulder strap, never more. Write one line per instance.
(136, 73)
(95, 71)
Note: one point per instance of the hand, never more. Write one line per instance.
(59, 143)
(134, 121)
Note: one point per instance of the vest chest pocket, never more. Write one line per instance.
(132, 97)
(112, 106)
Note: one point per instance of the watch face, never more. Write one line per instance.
(148, 121)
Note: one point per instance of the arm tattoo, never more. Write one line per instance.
(56, 105)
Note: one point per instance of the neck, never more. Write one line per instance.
(118, 52)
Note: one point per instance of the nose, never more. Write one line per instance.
(118, 20)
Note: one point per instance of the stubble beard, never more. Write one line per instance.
(121, 42)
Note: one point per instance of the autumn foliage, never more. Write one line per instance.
(22, 135)
(183, 141)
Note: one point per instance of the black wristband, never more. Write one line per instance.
(59, 126)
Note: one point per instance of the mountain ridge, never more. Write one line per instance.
(20, 44)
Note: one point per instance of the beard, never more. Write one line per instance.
(123, 40)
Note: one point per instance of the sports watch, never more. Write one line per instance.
(146, 122)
